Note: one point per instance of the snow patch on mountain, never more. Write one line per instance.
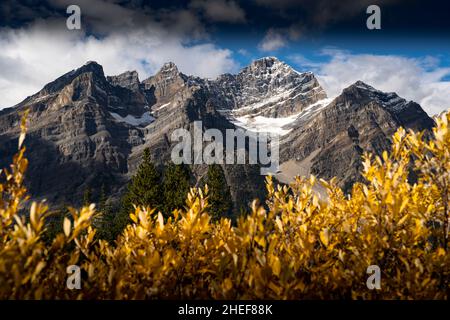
(158, 108)
(144, 120)
(281, 126)
(314, 108)
(264, 124)
(278, 98)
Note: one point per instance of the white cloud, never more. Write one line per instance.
(303, 63)
(244, 52)
(33, 56)
(414, 79)
(277, 38)
(220, 10)
(273, 40)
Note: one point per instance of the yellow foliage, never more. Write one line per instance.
(296, 246)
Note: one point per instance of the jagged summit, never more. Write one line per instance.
(271, 88)
(268, 58)
(168, 67)
(132, 73)
(90, 66)
(91, 62)
(362, 85)
(127, 79)
(266, 64)
(364, 92)
(167, 70)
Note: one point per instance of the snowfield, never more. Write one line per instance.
(277, 125)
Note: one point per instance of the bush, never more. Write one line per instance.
(302, 247)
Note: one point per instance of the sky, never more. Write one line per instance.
(409, 55)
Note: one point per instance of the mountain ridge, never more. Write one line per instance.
(87, 129)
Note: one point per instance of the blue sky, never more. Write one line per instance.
(409, 55)
(312, 48)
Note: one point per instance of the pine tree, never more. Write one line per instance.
(54, 224)
(175, 187)
(105, 221)
(87, 196)
(102, 206)
(143, 190)
(219, 192)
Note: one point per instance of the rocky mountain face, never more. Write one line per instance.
(88, 130)
(331, 141)
(268, 87)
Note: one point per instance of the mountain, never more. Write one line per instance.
(268, 87)
(329, 141)
(88, 130)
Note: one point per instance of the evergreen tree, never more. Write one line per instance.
(102, 206)
(105, 221)
(54, 224)
(143, 190)
(219, 192)
(175, 187)
(87, 196)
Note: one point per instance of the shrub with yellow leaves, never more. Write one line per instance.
(296, 246)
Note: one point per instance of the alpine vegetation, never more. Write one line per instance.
(294, 246)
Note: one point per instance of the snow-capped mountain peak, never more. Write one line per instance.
(271, 88)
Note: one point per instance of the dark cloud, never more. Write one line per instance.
(220, 10)
(17, 13)
(197, 17)
(399, 15)
(315, 15)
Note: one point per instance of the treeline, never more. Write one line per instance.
(163, 189)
